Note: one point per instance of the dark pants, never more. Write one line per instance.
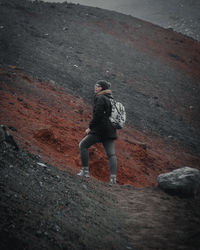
(109, 146)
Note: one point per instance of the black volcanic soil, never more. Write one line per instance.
(46, 208)
(51, 55)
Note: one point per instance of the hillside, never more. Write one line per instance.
(51, 56)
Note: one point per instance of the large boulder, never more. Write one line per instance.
(184, 182)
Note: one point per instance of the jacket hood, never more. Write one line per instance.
(106, 92)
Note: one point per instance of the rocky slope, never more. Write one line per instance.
(182, 15)
(46, 208)
(51, 55)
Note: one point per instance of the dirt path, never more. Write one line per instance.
(157, 219)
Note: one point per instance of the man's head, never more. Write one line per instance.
(103, 84)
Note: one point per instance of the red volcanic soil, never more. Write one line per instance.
(51, 122)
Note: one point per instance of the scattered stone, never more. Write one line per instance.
(41, 164)
(12, 128)
(14, 66)
(57, 228)
(38, 232)
(184, 182)
(52, 81)
(6, 137)
(2, 134)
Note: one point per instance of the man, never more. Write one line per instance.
(100, 130)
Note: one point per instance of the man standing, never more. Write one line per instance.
(100, 130)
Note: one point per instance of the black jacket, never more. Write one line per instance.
(100, 123)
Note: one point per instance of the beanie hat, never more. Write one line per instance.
(104, 84)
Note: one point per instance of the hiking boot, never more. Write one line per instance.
(112, 180)
(84, 172)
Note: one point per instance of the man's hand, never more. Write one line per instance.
(87, 131)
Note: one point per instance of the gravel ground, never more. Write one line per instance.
(45, 208)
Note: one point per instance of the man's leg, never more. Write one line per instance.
(84, 145)
(109, 146)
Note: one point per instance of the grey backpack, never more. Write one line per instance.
(118, 114)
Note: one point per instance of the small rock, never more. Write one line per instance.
(12, 128)
(2, 134)
(20, 99)
(6, 137)
(41, 164)
(57, 228)
(38, 232)
(52, 82)
(65, 28)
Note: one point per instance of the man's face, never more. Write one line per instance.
(97, 88)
